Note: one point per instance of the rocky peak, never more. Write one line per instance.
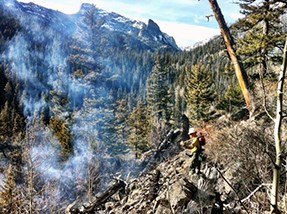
(120, 30)
(151, 33)
(152, 26)
(86, 7)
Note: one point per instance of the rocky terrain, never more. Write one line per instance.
(166, 185)
(76, 134)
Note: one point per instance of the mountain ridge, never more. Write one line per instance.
(149, 35)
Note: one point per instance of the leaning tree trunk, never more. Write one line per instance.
(240, 72)
(277, 135)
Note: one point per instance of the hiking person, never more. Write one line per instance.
(195, 144)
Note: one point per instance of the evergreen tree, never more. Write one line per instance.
(8, 92)
(9, 202)
(121, 122)
(233, 99)
(5, 123)
(199, 94)
(62, 132)
(116, 129)
(159, 96)
(263, 33)
(140, 124)
(179, 107)
(3, 82)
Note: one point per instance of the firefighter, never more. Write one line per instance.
(196, 148)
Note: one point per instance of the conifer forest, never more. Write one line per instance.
(93, 108)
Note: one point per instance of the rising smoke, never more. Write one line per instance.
(38, 59)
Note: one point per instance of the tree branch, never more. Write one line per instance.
(229, 184)
(254, 191)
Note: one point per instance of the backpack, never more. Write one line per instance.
(201, 139)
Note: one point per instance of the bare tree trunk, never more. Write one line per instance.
(240, 72)
(264, 51)
(277, 135)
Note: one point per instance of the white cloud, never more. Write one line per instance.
(235, 16)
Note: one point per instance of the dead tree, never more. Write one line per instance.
(154, 187)
(103, 198)
(185, 127)
(230, 45)
(169, 144)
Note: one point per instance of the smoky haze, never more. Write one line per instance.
(59, 78)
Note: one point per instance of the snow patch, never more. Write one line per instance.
(138, 25)
(109, 27)
(122, 19)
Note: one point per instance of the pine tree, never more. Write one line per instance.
(62, 132)
(263, 33)
(179, 107)
(8, 92)
(159, 96)
(233, 99)
(140, 124)
(9, 202)
(5, 123)
(3, 82)
(121, 122)
(198, 91)
(116, 129)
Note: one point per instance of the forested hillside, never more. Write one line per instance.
(96, 96)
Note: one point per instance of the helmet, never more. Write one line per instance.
(191, 131)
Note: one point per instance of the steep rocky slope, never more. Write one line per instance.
(235, 178)
(166, 185)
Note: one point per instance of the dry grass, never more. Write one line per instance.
(243, 152)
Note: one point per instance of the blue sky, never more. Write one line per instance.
(183, 19)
